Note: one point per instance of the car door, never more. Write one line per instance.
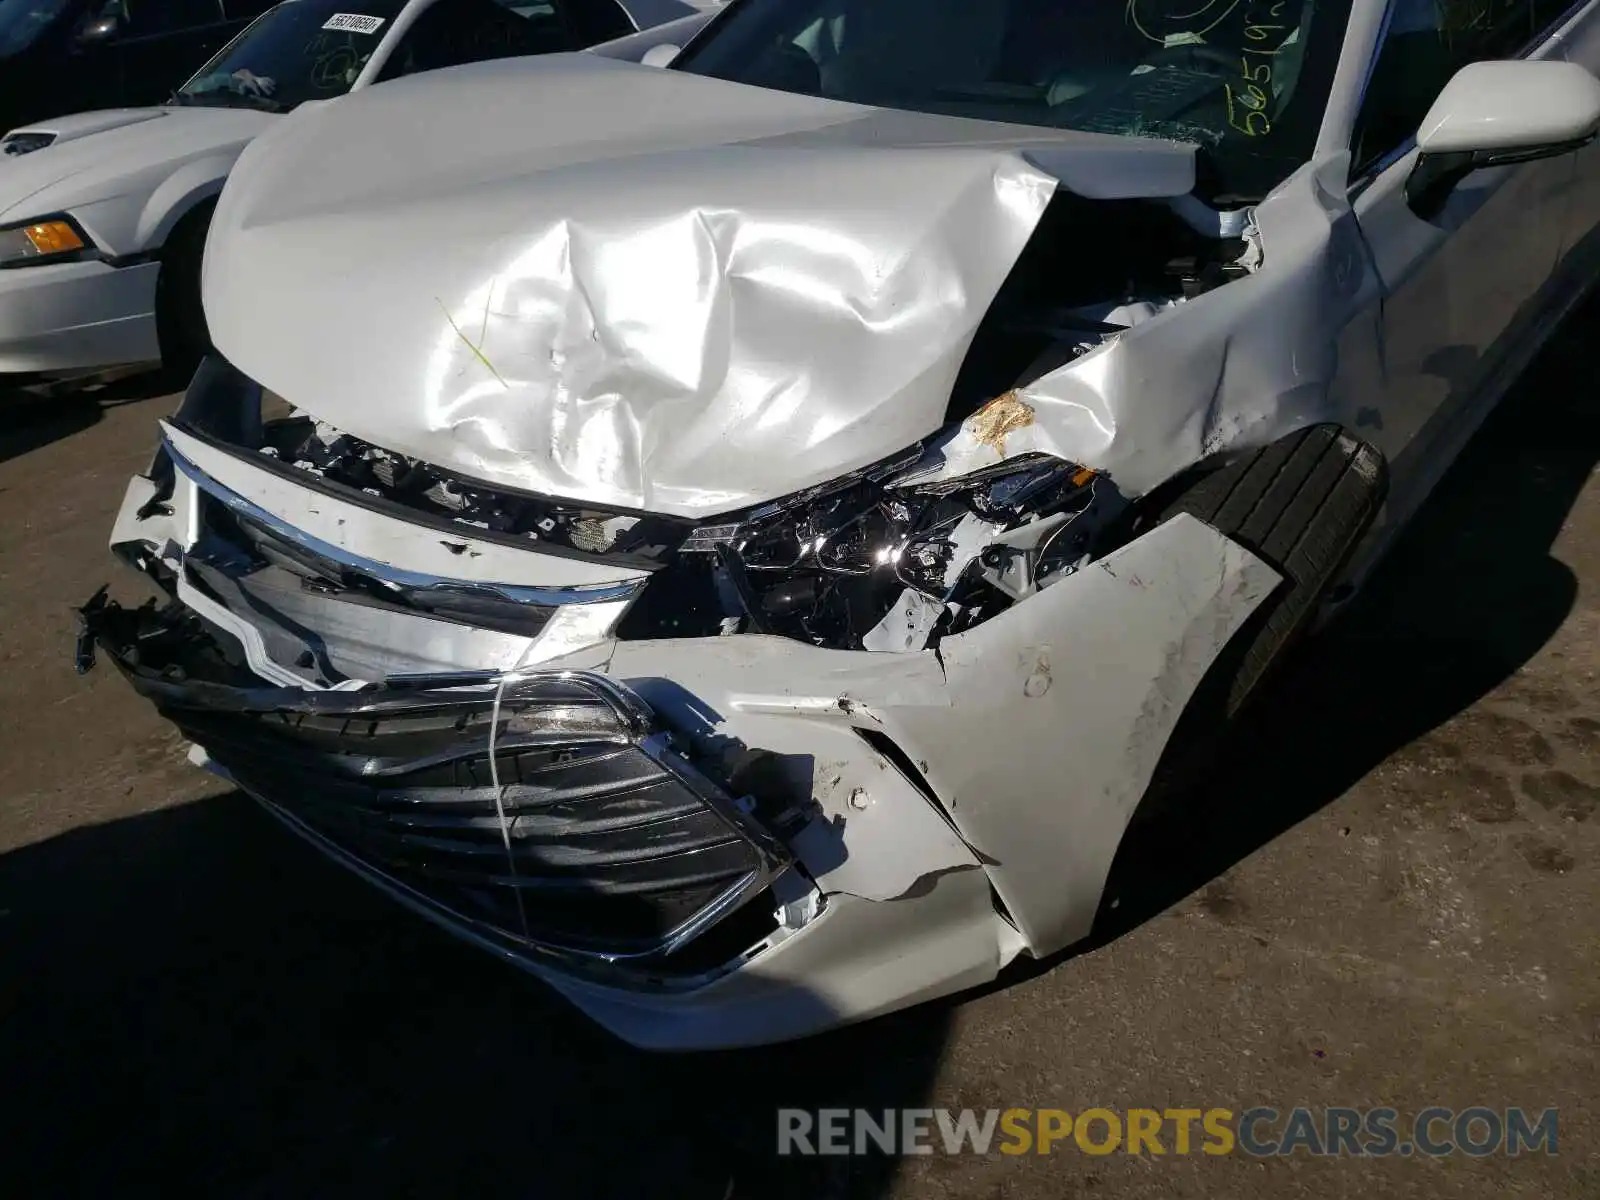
(1461, 290)
(1580, 43)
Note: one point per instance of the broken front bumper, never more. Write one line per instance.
(602, 860)
(702, 841)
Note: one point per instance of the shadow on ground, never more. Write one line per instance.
(35, 417)
(191, 997)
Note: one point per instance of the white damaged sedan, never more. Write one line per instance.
(739, 540)
(103, 215)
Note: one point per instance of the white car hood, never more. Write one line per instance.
(122, 159)
(66, 129)
(587, 278)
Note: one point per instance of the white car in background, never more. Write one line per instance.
(103, 215)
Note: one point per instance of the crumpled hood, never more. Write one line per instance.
(592, 279)
(116, 160)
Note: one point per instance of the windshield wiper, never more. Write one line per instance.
(183, 99)
(226, 98)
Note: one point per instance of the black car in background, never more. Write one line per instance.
(66, 56)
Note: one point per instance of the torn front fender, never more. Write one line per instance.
(1035, 734)
(1232, 369)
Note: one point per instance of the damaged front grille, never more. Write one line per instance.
(323, 614)
(601, 841)
(260, 554)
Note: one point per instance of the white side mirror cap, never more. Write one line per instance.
(661, 56)
(1499, 107)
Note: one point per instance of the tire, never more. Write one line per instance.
(180, 319)
(1301, 505)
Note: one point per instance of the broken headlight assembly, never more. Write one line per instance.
(887, 559)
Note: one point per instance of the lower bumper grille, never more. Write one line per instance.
(600, 841)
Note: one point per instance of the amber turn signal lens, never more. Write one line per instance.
(53, 237)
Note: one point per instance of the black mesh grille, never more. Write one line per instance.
(612, 844)
(608, 849)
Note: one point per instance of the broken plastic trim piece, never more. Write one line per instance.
(83, 656)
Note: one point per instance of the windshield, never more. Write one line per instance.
(22, 20)
(301, 50)
(1245, 80)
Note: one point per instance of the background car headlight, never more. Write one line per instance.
(40, 241)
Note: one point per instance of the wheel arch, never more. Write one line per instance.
(180, 195)
(181, 339)
(1336, 528)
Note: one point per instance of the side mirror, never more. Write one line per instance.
(661, 56)
(1494, 113)
(97, 30)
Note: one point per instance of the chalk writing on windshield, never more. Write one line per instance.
(333, 70)
(1262, 33)
(1195, 23)
(1264, 40)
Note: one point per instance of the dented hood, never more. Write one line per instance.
(592, 279)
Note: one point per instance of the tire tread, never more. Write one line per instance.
(1301, 505)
